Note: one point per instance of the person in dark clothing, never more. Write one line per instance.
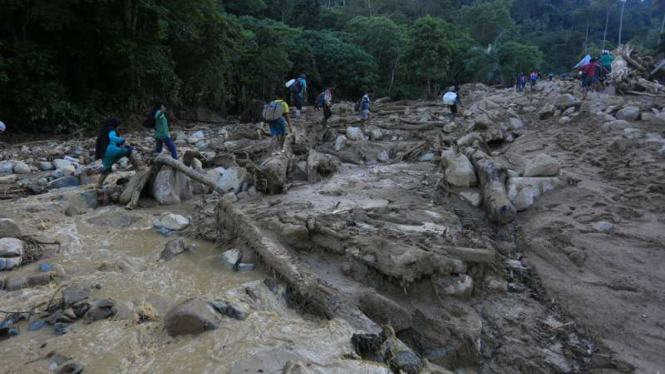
(110, 148)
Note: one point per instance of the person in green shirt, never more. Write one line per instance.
(162, 134)
(605, 67)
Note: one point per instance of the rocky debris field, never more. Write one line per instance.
(526, 236)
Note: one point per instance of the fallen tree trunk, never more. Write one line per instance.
(493, 184)
(132, 193)
(271, 177)
(193, 174)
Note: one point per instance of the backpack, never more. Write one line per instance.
(359, 104)
(450, 98)
(150, 122)
(273, 111)
(296, 87)
(321, 100)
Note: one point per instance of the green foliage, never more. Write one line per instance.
(485, 21)
(66, 64)
(429, 51)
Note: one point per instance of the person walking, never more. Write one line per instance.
(276, 114)
(110, 148)
(590, 76)
(452, 99)
(365, 111)
(327, 102)
(162, 133)
(299, 91)
(606, 60)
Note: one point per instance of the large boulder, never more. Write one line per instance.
(7, 167)
(546, 111)
(64, 167)
(233, 179)
(354, 133)
(9, 228)
(629, 113)
(171, 187)
(543, 166)
(191, 317)
(515, 124)
(565, 101)
(45, 166)
(458, 170)
(523, 192)
(21, 168)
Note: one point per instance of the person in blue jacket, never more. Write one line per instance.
(110, 148)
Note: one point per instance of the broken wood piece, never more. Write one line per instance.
(474, 255)
(493, 184)
(132, 193)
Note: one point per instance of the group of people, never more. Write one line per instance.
(522, 80)
(281, 125)
(594, 73)
(111, 147)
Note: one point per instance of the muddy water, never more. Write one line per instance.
(118, 251)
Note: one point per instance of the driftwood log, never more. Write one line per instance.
(132, 193)
(493, 184)
(317, 295)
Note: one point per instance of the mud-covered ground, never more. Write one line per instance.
(573, 284)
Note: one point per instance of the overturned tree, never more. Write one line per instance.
(493, 184)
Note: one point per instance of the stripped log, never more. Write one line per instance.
(132, 193)
(316, 294)
(493, 184)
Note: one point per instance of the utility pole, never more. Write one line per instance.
(621, 19)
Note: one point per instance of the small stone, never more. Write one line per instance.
(192, 316)
(376, 135)
(619, 124)
(170, 221)
(45, 166)
(603, 227)
(231, 257)
(74, 294)
(11, 247)
(60, 328)
(37, 325)
(462, 287)
(172, 249)
(9, 228)
(69, 368)
(45, 267)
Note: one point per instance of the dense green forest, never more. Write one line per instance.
(67, 63)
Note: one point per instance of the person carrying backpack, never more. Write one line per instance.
(110, 148)
(276, 114)
(534, 79)
(326, 103)
(452, 99)
(299, 90)
(365, 113)
(162, 134)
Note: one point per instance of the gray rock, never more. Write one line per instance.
(340, 142)
(384, 156)
(565, 101)
(629, 113)
(523, 192)
(543, 166)
(196, 137)
(64, 182)
(427, 157)
(515, 124)
(45, 166)
(192, 316)
(231, 257)
(63, 164)
(171, 187)
(82, 203)
(354, 133)
(229, 310)
(100, 309)
(376, 135)
(9, 228)
(172, 249)
(458, 170)
(233, 179)
(619, 124)
(461, 287)
(546, 111)
(114, 219)
(21, 168)
(603, 227)
(7, 167)
(8, 179)
(632, 133)
(74, 294)
(11, 247)
(10, 263)
(172, 222)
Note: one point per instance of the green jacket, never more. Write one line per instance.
(606, 60)
(162, 126)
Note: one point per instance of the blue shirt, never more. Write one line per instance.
(304, 87)
(365, 103)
